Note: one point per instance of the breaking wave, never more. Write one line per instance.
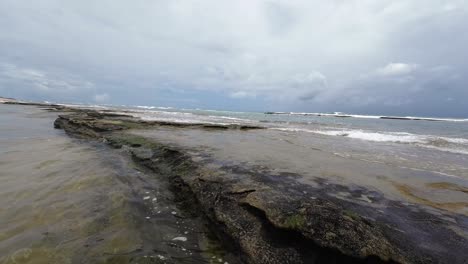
(448, 144)
(339, 114)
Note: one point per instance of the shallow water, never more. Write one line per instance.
(66, 201)
(429, 179)
(424, 134)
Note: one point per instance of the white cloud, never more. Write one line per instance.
(397, 69)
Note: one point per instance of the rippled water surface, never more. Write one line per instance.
(66, 201)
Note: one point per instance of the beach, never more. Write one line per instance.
(246, 187)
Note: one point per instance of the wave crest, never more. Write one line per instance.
(448, 144)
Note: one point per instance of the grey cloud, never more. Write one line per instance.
(280, 18)
(42, 81)
(364, 56)
(398, 87)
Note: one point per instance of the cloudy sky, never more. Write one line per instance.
(360, 56)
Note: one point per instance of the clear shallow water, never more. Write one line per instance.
(65, 201)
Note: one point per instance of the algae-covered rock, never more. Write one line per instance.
(323, 223)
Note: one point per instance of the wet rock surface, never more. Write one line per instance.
(269, 219)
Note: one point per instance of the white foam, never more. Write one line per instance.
(455, 140)
(375, 136)
(335, 114)
(185, 118)
(436, 119)
(446, 149)
(447, 144)
(145, 107)
(231, 118)
(366, 116)
(153, 107)
(339, 114)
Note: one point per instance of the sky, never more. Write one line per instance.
(400, 57)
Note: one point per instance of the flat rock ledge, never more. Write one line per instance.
(260, 222)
